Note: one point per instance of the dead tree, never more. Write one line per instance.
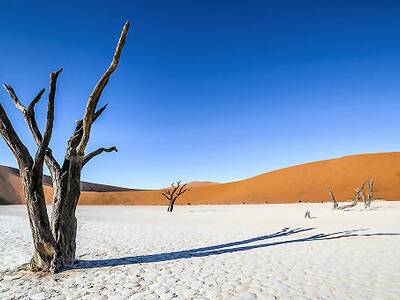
(370, 193)
(173, 193)
(333, 200)
(55, 241)
(358, 196)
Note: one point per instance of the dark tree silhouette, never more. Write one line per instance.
(173, 193)
(55, 239)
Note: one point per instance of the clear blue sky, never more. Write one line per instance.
(210, 90)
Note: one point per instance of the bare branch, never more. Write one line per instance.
(13, 141)
(357, 196)
(182, 190)
(96, 93)
(96, 115)
(30, 118)
(175, 188)
(35, 100)
(88, 157)
(29, 113)
(40, 154)
(14, 97)
(77, 136)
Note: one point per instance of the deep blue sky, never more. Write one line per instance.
(210, 90)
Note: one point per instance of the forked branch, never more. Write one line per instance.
(30, 118)
(77, 135)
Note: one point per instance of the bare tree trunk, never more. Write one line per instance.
(333, 200)
(364, 200)
(170, 206)
(44, 244)
(63, 220)
(370, 193)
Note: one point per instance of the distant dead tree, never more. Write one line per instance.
(333, 200)
(173, 193)
(359, 196)
(370, 193)
(55, 240)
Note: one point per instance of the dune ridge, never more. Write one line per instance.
(301, 183)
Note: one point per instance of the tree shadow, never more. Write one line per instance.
(231, 247)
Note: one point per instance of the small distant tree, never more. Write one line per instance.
(333, 200)
(370, 193)
(173, 193)
(359, 195)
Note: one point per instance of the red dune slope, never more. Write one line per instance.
(307, 182)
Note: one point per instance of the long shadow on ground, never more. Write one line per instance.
(232, 247)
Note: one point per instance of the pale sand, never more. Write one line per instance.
(215, 252)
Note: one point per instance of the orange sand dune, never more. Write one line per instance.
(307, 182)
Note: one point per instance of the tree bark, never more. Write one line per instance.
(170, 206)
(44, 244)
(63, 220)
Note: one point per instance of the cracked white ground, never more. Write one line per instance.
(215, 252)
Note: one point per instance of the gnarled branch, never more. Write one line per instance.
(88, 157)
(77, 135)
(41, 152)
(97, 91)
(29, 113)
(30, 118)
(14, 98)
(13, 141)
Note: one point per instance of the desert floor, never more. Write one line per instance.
(215, 252)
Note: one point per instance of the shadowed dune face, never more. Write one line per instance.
(308, 183)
